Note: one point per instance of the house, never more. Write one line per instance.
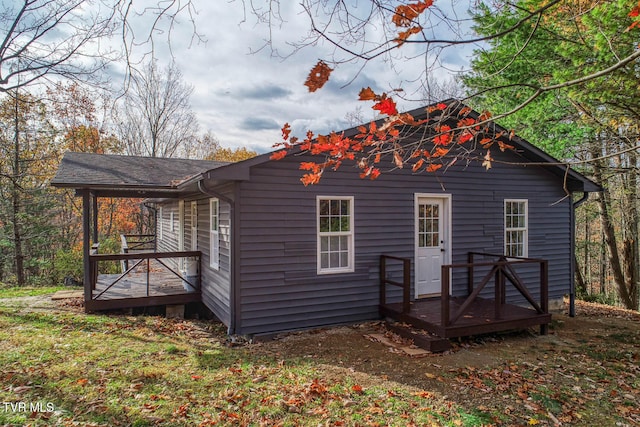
(273, 255)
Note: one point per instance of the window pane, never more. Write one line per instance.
(324, 260)
(324, 207)
(335, 208)
(324, 244)
(345, 223)
(324, 224)
(334, 259)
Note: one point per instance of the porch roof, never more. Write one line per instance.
(129, 176)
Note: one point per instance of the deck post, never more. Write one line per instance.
(148, 273)
(544, 293)
(470, 273)
(383, 278)
(406, 286)
(94, 216)
(86, 244)
(444, 295)
(499, 292)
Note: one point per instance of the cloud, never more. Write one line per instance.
(244, 92)
(259, 123)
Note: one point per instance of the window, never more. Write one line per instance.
(516, 223)
(214, 233)
(172, 221)
(335, 234)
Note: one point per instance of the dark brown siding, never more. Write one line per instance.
(279, 288)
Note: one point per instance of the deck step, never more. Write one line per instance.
(420, 338)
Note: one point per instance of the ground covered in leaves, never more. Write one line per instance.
(60, 366)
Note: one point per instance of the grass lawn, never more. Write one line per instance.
(64, 367)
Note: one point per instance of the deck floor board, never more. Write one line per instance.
(132, 290)
(479, 318)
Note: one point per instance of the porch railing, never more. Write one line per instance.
(405, 284)
(142, 261)
(502, 270)
(137, 242)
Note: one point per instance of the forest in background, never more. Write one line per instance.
(563, 73)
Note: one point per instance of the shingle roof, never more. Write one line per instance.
(89, 170)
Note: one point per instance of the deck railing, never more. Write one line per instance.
(405, 284)
(502, 270)
(142, 261)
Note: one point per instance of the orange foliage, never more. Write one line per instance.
(382, 139)
(318, 76)
(406, 14)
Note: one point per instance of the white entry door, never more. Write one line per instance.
(432, 244)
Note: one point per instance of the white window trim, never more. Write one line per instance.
(525, 242)
(159, 223)
(351, 234)
(214, 234)
(193, 212)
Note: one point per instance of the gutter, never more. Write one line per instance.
(234, 232)
(572, 292)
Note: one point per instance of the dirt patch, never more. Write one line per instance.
(562, 377)
(352, 346)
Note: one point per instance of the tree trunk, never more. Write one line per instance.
(630, 243)
(581, 286)
(609, 233)
(15, 200)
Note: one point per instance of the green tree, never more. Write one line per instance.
(27, 162)
(591, 120)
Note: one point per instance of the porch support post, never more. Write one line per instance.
(86, 243)
(94, 216)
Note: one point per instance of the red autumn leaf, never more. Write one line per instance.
(318, 76)
(386, 106)
(356, 388)
(424, 394)
(635, 11)
(279, 155)
(397, 159)
(486, 142)
(433, 167)
(82, 381)
(310, 178)
(504, 146)
(418, 165)
(404, 35)
(465, 137)
(286, 130)
(439, 152)
(366, 94)
(442, 139)
(466, 122)
(486, 115)
(196, 377)
(441, 106)
(405, 14)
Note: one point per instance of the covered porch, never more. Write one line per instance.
(138, 276)
(483, 308)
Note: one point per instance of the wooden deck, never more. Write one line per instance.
(447, 316)
(479, 318)
(153, 282)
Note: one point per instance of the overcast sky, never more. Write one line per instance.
(244, 95)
